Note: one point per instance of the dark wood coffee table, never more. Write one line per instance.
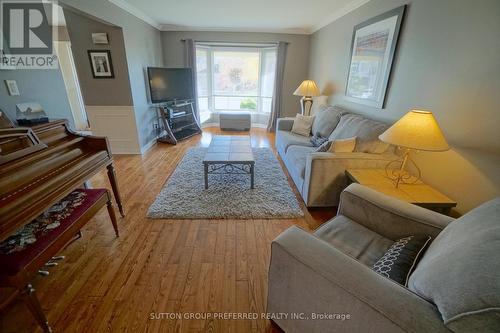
(229, 154)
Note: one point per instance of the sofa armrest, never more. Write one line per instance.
(324, 175)
(284, 124)
(388, 216)
(308, 275)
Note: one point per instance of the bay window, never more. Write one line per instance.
(234, 78)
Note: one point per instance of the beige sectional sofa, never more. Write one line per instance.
(454, 287)
(319, 176)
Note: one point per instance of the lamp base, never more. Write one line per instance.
(305, 109)
(400, 175)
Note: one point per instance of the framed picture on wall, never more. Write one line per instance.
(100, 62)
(12, 87)
(372, 52)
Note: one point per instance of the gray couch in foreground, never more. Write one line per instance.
(455, 286)
(320, 177)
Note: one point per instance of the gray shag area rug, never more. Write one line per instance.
(228, 196)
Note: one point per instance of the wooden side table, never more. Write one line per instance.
(419, 194)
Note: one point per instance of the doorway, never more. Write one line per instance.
(70, 77)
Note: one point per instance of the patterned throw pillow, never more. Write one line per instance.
(317, 140)
(401, 258)
(324, 147)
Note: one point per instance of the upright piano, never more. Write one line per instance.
(31, 183)
(39, 166)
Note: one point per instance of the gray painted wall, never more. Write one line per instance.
(143, 49)
(296, 67)
(115, 91)
(44, 86)
(447, 62)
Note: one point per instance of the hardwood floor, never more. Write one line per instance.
(160, 268)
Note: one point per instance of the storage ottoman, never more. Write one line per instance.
(235, 120)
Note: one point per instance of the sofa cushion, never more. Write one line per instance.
(302, 125)
(285, 139)
(325, 120)
(460, 271)
(366, 131)
(296, 157)
(354, 239)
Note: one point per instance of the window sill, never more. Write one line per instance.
(252, 112)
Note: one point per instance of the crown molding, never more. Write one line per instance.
(294, 31)
(355, 4)
(123, 4)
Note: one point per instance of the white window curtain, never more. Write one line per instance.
(277, 101)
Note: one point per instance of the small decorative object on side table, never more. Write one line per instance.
(418, 193)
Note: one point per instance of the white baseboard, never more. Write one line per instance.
(204, 125)
(259, 125)
(148, 146)
(118, 124)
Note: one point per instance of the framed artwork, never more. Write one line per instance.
(100, 61)
(12, 87)
(372, 52)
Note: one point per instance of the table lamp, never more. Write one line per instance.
(307, 90)
(417, 130)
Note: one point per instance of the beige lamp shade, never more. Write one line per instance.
(307, 88)
(416, 130)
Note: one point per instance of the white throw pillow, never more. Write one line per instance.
(302, 125)
(343, 145)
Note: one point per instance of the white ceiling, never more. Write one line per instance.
(281, 16)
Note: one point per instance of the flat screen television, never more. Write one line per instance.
(170, 84)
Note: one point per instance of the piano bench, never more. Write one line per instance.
(30, 248)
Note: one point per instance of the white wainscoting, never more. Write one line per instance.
(118, 124)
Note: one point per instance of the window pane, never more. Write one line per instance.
(236, 73)
(235, 103)
(202, 71)
(203, 104)
(268, 71)
(266, 104)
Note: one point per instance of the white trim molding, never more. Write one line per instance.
(148, 146)
(118, 124)
(292, 31)
(133, 10)
(355, 4)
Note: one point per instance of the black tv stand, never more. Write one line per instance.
(178, 121)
